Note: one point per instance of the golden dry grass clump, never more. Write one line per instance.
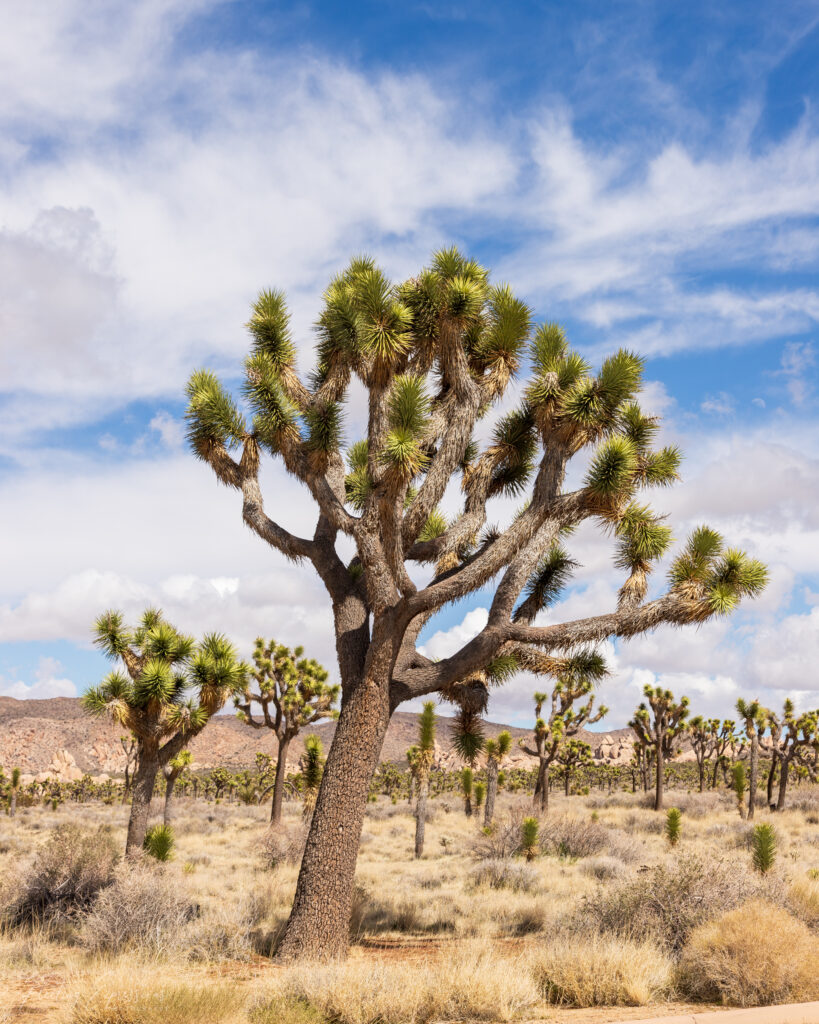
(755, 955)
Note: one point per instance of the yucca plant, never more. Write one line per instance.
(738, 783)
(420, 758)
(15, 787)
(159, 842)
(292, 693)
(467, 779)
(150, 698)
(763, 847)
(480, 792)
(529, 838)
(673, 825)
(312, 770)
(434, 355)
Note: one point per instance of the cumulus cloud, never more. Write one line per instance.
(46, 682)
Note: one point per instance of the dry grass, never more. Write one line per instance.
(756, 955)
(601, 970)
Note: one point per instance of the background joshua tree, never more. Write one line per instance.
(150, 698)
(14, 789)
(660, 730)
(421, 760)
(754, 719)
(172, 770)
(791, 736)
(435, 354)
(575, 680)
(738, 783)
(571, 755)
(701, 733)
(312, 769)
(296, 690)
(130, 748)
(723, 738)
(468, 741)
(496, 752)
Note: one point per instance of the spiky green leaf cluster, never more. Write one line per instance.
(212, 416)
(717, 578)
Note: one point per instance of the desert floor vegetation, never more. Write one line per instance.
(606, 914)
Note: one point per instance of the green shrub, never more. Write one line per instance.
(763, 847)
(529, 835)
(158, 842)
(673, 825)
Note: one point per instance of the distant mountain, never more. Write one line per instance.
(55, 736)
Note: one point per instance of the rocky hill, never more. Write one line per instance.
(55, 737)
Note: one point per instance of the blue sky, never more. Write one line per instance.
(646, 173)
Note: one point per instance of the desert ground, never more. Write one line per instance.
(607, 922)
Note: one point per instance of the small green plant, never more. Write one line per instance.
(529, 836)
(763, 847)
(480, 793)
(738, 786)
(158, 842)
(673, 825)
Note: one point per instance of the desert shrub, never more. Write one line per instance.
(502, 840)
(603, 868)
(143, 909)
(700, 805)
(668, 901)
(64, 878)
(803, 900)
(527, 920)
(158, 842)
(372, 915)
(283, 844)
(757, 954)
(573, 837)
(599, 970)
(623, 846)
(505, 874)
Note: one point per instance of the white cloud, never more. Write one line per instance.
(46, 683)
(719, 405)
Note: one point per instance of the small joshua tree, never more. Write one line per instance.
(571, 755)
(701, 734)
(529, 837)
(293, 693)
(723, 739)
(738, 783)
(575, 679)
(496, 752)
(312, 769)
(467, 779)
(15, 788)
(791, 736)
(149, 698)
(673, 825)
(479, 790)
(172, 770)
(763, 847)
(421, 757)
(754, 718)
(660, 730)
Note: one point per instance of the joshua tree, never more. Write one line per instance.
(660, 730)
(434, 355)
(790, 738)
(763, 847)
(130, 748)
(149, 698)
(292, 692)
(421, 764)
(755, 720)
(15, 788)
(723, 738)
(496, 752)
(312, 769)
(576, 677)
(673, 825)
(701, 734)
(571, 755)
(480, 792)
(172, 770)
(529, 837)
(738, 783)
(468, 740)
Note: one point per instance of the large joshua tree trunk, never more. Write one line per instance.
(541, 798)
(170, 784)
(318, 927)
(491, 792)
(278, 785)
(421, 814)
(141, 795)
(771, 780)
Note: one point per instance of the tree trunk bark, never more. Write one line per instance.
(141, 795)
(319, 923)
(167, 811)
(752, 782)
(714, 774)
(566, 778)
(541, 797)
(13, 804)
(544, 792)
(421, 814)
(278, 785)
(702, 776)
(783, 785)
(491, 792)
(771, 780)
(658, 795)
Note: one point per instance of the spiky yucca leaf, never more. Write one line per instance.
(467, 735)
(409, 403)
(662, 468)
(110, 635)
(529, 837)
(270, 326)
(552, 573)
(212, 415)
(763, 846)
(548, 347)
(276, 418)
(673, 825)
(324, 428)
(426, 727)
(501, 668)
(159, 842)
(620, 378)
(612, 468)
(435, 526)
